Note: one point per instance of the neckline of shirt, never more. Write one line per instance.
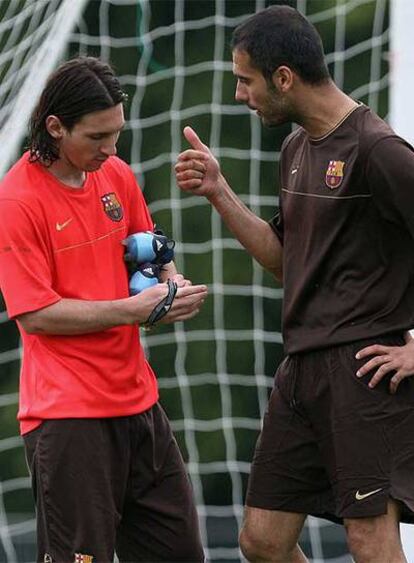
(68, 189)
(337, 125)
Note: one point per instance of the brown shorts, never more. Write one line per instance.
(330, 445)
(112, 485)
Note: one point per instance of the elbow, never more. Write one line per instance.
(279, 278)
(278, 274)
(274, 268)
(31, 324)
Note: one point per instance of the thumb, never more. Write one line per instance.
(195, 140)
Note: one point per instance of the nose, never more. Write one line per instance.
(241, 93)
(109, 148)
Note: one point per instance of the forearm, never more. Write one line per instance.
(254, 233)
(72, 316)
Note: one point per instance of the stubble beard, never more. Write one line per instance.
(278, 113)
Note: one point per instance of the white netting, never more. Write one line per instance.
(215, 372)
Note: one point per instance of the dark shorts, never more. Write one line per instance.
(330, 445)
(112, 485)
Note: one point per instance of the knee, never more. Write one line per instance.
(255, 546)
(364, 540)
(356, 541)
(251, 545)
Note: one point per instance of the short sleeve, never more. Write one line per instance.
(25, 272)
(390, 176)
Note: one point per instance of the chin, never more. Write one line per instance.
(95, 165)
(271, 123)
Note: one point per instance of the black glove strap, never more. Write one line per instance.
(163, 306)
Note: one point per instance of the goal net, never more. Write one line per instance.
(215, 372)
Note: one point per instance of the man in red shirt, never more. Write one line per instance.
(338, 436)
(107, 473)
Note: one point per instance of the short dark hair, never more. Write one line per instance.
(280, 35)
(77, 87)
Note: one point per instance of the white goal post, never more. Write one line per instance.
(44, 48)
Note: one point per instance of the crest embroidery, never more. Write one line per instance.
(82, 558)
(334, 174)
(112, 207)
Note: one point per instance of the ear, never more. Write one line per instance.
(283, 78)
(54, 127)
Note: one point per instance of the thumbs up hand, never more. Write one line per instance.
(197, 171)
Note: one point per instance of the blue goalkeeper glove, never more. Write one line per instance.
(149, 247)
(146, 276)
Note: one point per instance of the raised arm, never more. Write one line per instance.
(198, 172)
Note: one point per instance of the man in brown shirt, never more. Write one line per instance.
(338, 434)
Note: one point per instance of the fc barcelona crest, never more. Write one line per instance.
(112, 207)
(334, 174)
(82, 558)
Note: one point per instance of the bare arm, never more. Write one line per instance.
(254, 233)
(198, 172)
(72, 316)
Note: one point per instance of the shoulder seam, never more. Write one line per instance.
(290, 137)
(19, 201)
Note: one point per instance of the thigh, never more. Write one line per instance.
(78, 499)
(287, 472)
(159, 520)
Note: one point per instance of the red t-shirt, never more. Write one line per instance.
(61, 242)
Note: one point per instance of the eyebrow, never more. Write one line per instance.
(241, 76)
(107, 132)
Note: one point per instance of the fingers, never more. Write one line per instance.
(395, 381)
(381, 372)
(186, 316)
(189, 185)
(190, 154)
(371, 351)
(192, 290)
(189, 174)
(373, 364)
(381, 360)
(186, 299)
(194, 139)
(180, 280)
(398, 360)
(189, 171)
(187, 303)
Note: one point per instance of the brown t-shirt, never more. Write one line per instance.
(346, 222)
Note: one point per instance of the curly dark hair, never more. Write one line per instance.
(280, 35)
(77, 87)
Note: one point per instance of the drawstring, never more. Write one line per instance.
(294, 403)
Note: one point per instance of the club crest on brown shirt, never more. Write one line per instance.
(112, 207)
(334, 174)
(82, 558)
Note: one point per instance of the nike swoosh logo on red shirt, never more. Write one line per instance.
(61, 226)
